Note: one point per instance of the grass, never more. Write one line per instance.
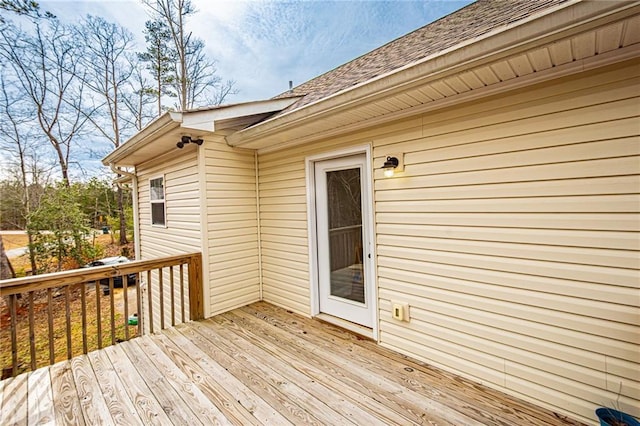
(41, 328)
(13, 241)
(21, 264)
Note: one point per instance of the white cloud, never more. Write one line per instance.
(262, 44)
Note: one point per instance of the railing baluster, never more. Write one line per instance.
(98, 314)
(150, 299)
(67, 284)
(182, 292)
(161, 290)
(125, 285)
(32, 334)
(52, 351)
(83, 302)
(173, 302)
(68, 318)
(139, 306)
(14, 332)
(112, 312)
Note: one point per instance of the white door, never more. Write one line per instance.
(344, 250)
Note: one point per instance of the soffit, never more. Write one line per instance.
(161, 145)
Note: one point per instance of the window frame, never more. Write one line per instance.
(162, 201)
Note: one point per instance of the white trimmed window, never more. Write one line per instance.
(156, 195)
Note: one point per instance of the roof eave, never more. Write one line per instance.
(560, 21)
(164, 123)
(201, 121)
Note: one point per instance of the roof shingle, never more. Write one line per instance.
(463, 25)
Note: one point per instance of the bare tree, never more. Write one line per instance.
(18, 143)
(139, 98)
(44, 63)
(204, 84)
(195, 74)
(108, 65)
(13, 141)
(222, 90)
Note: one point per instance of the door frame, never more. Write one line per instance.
(368, 221)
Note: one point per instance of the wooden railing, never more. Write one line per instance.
(63, 314)
(346, 246)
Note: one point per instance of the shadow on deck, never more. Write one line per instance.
(255, 365)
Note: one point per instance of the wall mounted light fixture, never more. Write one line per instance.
(389, 166)
(187, 139)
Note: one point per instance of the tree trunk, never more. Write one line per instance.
(6, 270)
(26, 202)
(60, 255)
(32, 255)
(64, 167)
(182, 52)
(159, 92)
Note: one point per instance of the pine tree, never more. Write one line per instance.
(160, 58)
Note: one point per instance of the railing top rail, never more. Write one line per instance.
(77, 276)
(345, 228)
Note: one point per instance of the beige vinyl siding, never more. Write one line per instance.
(182, 232)
(232, 226)
(283, 219)
(513, 235)
(181, 207)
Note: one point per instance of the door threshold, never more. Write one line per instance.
(347, 325)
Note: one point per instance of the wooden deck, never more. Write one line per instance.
(254, 365)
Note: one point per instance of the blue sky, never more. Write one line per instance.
(263, 44)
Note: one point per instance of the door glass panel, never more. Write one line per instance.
(345, 234)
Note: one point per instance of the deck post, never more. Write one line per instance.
(196, 290)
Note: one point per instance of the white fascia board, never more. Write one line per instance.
(213, 119)
(159, 126)
(203, 120)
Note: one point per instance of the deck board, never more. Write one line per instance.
(235, 400)
(205, 410)
(411, 406)
(477, 402)
(360, 372)
(161, 387)
(66, 404)
(256, 365)
(370, 413)
(14, 401)
(92, 402)
(121, 409)
(268, 390)
(149, 410)
(40, 398)
(306, 389)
